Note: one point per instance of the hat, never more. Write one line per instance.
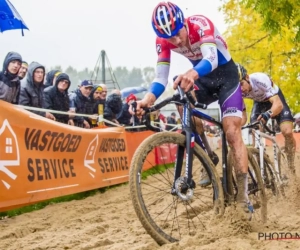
(86, 83)
(61, 77)
(173, 114)
(25, 63)
(99, 88)
(131, 97)
(57, 73)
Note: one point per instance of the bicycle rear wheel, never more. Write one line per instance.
(256, 189)
(165, 216)
(270, 180)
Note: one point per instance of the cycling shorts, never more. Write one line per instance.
(222, 85)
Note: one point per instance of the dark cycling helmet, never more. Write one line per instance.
(242, 71)
(167, 19)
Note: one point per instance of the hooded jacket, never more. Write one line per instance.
(49, 77)
(113, 106)
(10, 83)
(56, 100)
(31, 93)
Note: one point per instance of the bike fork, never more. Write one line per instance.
(189, 149)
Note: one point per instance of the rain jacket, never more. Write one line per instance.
(10, 83)
(82, 104)
(32, 94)
(56, 100)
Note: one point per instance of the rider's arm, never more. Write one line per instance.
(162, 70)
(208, 47)
(277, 105)
(210, 58)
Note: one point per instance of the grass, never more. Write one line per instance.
(157, 170)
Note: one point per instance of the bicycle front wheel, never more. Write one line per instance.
(168, 217)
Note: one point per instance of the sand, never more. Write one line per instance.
(108, 221)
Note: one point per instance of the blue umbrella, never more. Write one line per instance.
(132, 90)
(10, 19)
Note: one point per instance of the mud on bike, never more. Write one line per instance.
(166, 197)
(275, 171)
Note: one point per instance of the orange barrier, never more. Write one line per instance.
(166, 153)
(134, 139)
(41, 159)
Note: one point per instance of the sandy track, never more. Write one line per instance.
(108, 221)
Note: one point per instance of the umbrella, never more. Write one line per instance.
(132, 90)
(10, 19)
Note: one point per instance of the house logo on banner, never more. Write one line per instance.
(9, 153)
(90, 156)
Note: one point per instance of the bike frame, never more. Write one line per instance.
(191, 138)
(258, 137)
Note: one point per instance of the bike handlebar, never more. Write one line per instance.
(254, 125)
(178, 97)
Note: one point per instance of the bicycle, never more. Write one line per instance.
(275, 175)
(180, 199)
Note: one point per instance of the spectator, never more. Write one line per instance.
(113, 106)
(23, 70)
(51, 77)
(9, 81)
(81, 101)
(56, 98)
(159, 119)
(32, 89)
(116, 91)
(124, 117)
(171, 120)
(98, 96)
(103, 93)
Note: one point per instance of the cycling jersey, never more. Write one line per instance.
(262, 87)
(208, 51)
(260, 107)
(262, 90)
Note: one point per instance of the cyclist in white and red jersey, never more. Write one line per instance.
(269, 102)
(213, 76)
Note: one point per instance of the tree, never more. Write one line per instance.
(121, 74)
(135, 77)
(255, 49)
(125, 78)
(277, 15)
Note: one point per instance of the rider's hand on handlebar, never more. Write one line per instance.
(136, 108)
(186, 80)
(146, 102)
(264, 117)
